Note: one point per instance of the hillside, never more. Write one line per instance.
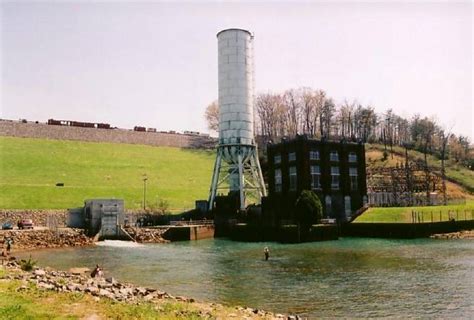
(30, 169)
(460, 180)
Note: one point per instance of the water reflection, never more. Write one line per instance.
(345, 278)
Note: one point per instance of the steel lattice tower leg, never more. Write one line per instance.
(247, 168)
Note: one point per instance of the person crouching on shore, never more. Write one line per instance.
(97, 272)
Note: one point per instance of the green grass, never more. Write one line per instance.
(404, 214)
(30, 169)
(33, 303)
(462, 176)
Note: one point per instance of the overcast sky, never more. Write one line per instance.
(155, 63)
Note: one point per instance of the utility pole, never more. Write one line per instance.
(145, 178)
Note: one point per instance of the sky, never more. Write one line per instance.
(154, 64)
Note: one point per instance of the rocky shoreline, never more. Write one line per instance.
(146, 235)
(467, 234)
(42, 239)
(78, 280)
(69, 237)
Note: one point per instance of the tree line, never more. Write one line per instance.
(306, 111)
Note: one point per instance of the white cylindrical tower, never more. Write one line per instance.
(237, 155)
(236, 93)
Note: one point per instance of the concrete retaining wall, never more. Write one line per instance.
(404, 230)
(285, 234)
(39, 217)
(201, 232)
(186, 233)
(44, 131)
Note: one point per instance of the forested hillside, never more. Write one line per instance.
(315, 114)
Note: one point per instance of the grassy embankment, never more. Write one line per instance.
(404, 214)
(33, 303)
(37, 304)
(30, 169)
(21, 299)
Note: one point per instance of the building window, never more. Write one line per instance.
(314, 155)
(315, 177)
(277, 180)
(352, 157)
(291, 156)
(353, 177)
(335, 178)
(292, 178)
(334, 156)
(277, 159)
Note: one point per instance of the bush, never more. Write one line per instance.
(308, 208)
(27, 265)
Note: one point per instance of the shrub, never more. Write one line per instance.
(27, 265)
(163, 206)
(308, 208)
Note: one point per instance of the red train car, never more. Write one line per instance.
(141, 129)
(54, 122)
(103, 126)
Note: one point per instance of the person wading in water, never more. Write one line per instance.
(266, 252)
(9, 243)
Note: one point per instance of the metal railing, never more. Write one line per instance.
(191, 222)
(439, 216)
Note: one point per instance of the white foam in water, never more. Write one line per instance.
(119, 244)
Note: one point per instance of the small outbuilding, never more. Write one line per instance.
(103, 217)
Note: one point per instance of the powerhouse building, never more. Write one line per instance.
(335, 171)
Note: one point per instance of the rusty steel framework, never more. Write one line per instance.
(407, 184)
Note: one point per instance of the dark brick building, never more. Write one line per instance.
(335, 171)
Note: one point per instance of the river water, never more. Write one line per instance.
(351, 277)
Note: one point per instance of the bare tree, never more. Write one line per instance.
(308, 111)
(292, 100)
(366, 121)
(212, 116)
(271, 115)
(326, 117)
(444, 137)
(388, 130)
(345, 119)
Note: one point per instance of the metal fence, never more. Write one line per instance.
(191, 222)
(439, 216)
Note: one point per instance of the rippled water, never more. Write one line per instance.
(345, 278)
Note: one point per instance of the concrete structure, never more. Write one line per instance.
(76, 219)
(335, 171)
(104, 217)
(237, 168)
